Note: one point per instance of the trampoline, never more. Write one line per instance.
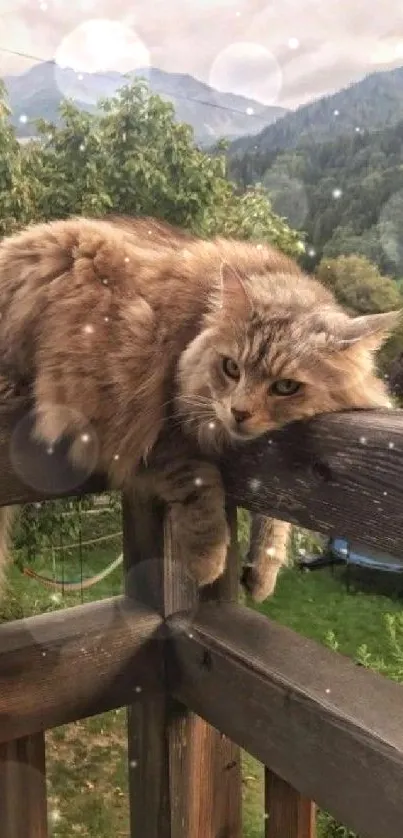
(351, 554)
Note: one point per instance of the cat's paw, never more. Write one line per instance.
(207, 567)
(258, 585)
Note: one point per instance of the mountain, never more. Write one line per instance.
(347, 195)
(370, 104)
(213, 115)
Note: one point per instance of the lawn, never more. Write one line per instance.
(87, 761)
(314, 605)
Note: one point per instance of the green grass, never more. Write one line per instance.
(87, 778)
(314, 604)
(87, 763)
(253, 797)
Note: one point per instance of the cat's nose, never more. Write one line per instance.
(240, 415)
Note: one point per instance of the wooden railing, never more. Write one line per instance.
(202, 676)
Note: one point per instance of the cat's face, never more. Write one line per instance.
(270, 356)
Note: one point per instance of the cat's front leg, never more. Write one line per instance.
(267, 555)
(194, 493)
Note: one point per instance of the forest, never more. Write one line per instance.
(370, 104)
(346, 194)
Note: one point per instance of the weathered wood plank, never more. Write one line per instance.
(23, 801)
(184, 775)
(288, 814)
(340, 474)
(337, 474)
(329, 728)
(66, 665)
(31, 472)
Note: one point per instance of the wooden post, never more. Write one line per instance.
(23, 802)
(185, 777)
(287, 813)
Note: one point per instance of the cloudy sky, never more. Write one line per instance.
(284, 52)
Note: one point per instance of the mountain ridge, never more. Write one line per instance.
(212, 114)
(371, 103)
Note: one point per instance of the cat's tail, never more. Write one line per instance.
(7, 516)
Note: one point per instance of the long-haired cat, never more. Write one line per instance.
(165, 348)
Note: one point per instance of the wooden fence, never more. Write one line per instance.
(204, 677)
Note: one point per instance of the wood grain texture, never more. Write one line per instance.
(329, 728)
(23, 803)
(288, 814)
(66, 665)
(185, 779)
(339, 474)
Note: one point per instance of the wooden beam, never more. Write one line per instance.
(23, 801)
(66, 665)
(185, 777)
(339, 475)
(329, 728)
(288, 814)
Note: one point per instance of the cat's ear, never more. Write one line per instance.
(232, 294)
(371, 330)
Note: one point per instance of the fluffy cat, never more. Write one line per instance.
(165, 348)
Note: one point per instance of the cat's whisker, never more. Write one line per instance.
(189, 404)
(193, 421)
(195, 406)
(198, 411)
(197, 420)
(199, 414)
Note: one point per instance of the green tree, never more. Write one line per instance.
(353, 184)
(360, 287)
(132, 157)
(346, 242)
(16, 190)
(70, 163)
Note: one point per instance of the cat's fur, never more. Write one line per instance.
(116, 329)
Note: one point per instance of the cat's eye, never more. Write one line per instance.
(231, 368)
(284, 387)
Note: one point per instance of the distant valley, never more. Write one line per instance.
(334, 170)
(212, 114)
